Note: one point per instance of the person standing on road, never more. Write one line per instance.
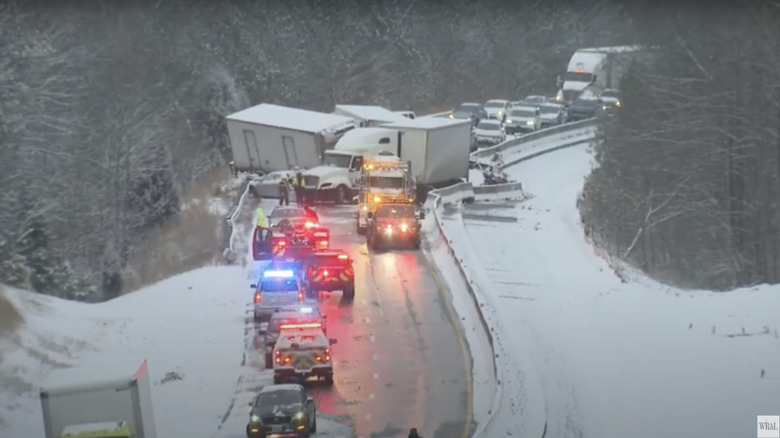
(299, 197)
(284, 195)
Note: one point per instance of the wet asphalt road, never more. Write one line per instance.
(399, 361)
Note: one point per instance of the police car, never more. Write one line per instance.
(302, 351)
(275, 289)
(297, 314)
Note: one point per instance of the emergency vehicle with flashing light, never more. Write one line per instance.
(276, 289)
(395, 225)
(302, 351)
(328, 271)
(384, 178)
(296, 314)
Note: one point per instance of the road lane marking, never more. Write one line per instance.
(372, 338)
(464, 351)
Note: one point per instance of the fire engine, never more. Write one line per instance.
(384, 178)
(302, 351)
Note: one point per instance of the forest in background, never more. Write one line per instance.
(688, 183)
(111, 111)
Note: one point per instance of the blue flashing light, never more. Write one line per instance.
(278, 274)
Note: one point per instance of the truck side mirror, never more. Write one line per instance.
(422, 215)
(333, 341)
(309, 399)
(370, 215)
(253, 286)
(251, 404)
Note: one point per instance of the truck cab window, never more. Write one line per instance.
(357, 163)
(385, 140)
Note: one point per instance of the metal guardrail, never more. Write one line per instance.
(529, 138)
(497, 189)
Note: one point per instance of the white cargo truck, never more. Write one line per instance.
(437, 148)
(602, 66)
(368, 116)
(269, 138)
(77, 406)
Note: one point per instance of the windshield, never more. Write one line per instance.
(278, 398)
(523, 113)
(611, 93)
(494, 105)
(550, 109)
(485, 126)
(386, 182)
(578, 77)
(467, 109)
(395, 211)
(338, 160)
(278, 285)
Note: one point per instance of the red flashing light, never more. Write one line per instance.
(301, 325)
(258, 297)
(325, 273)
(327, 354)
(310, 272)
(300, 295)
(281, 243)
(310, 224)
(343, 257)
(323, 244)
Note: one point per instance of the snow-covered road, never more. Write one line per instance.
(615, 359)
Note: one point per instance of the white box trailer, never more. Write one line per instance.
(438, 149)
(369, 116)
(269, 138)
(74, 402)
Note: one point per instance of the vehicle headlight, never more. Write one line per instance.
(530, 122)
(404, 227)
(298, 415)
(254, 418)
(509, 120)
(377, 199)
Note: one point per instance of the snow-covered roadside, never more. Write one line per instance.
(614, 357)
(482, 370)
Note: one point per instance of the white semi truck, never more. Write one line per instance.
(437, 148)
(269, 138)
(75, 406)
(603, 66)
(368, 116)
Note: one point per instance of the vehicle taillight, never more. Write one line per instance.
(322, 244)
(325, 273)
(300, 295)
(277, 356)
(281, 243)
(404, 227)
(258, 297)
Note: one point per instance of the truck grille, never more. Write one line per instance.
(273, 419)
(311, 181)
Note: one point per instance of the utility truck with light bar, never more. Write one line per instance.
(302, 351)
(297, 314)
(275, 289)
(384, 179)
(76, 405)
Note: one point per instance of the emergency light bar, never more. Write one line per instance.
(278, 274)
(301, 326)
(306, 310)
(342, 256)
(310, 224)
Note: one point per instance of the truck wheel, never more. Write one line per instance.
(269, 361)
(350, 292)
(277, 379)
(314, 425)
(341, 195)
(329, 379)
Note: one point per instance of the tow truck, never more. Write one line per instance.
(327, 271)
(384, 178)
(295, 314)
(275, 289)
(395, 224)
(302, 351)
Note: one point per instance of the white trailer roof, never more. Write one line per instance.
(289, 118)
(92, 375)
(613, 49)
(371, 112)
(359, 139)
(586, 60)
(426, 123)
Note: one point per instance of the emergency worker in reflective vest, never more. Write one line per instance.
(284, 195)
(298, 186)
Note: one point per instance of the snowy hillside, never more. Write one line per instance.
(614, 355)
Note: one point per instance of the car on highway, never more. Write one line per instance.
(469, 111)
(611, 99)
(489, 133)
(534, 101)
(267, 186)
(498, 108)
(553, 114)
(523, 119)
(295, 215)
(295, 314)
(275, 289)
(394, 225)
(328, 271)
(282, 411)
(585, 108)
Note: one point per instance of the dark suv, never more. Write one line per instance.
(393, 225)
(328, 271)
(282, 411)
